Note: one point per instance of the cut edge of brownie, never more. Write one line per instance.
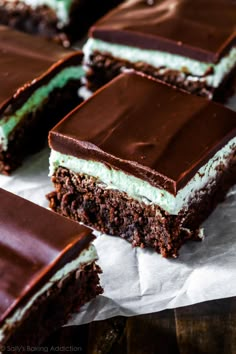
(84, 198)
(21, 140)
(43, 20)
(103, 67)
(53, 308)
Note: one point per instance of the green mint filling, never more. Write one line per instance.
(7, 124)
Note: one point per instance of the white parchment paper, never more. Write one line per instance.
(138, 281)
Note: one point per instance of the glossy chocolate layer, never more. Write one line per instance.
(199, 29)
(26, 63)
(146, 128)
(34, 244)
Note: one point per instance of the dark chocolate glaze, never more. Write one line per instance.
(146, 128)
(27, 63)
(34, 244)
(199, 29)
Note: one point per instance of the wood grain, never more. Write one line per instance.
(206, 328)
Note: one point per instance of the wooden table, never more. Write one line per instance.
(206, 328)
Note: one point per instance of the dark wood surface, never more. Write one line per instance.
(206, 328)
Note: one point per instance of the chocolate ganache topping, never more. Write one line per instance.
(27, 63)
(34, 244)
(199, 29)
(146, 128)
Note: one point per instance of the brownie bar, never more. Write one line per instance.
(48, 271)
(62, 21)
(183, 44)
(39, 86)
(143, 169)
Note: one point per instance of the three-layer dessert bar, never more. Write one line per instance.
(39, 84)
(64, 21)
(188, 44)
(48, 271)
(143, 161)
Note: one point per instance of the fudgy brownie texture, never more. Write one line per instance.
(22, 142)
(52, 310)
(103, 68)
(21, 16)
(43, 20)
(83, 198)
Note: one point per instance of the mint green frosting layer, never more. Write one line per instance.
(196, 69)
(87, 256)
(7, 124)
(142, 190)
(61, 7)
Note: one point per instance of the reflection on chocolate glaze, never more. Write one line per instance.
(34, 244)
(146, 128)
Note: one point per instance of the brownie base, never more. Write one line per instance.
(31, 133)
(43, 20)
(103, 67)
(82, 198)
(51, 310)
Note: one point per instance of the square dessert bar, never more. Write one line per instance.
(39, 84)
(188, 44)
(64, 21)
(48, 271)
(143, 161)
